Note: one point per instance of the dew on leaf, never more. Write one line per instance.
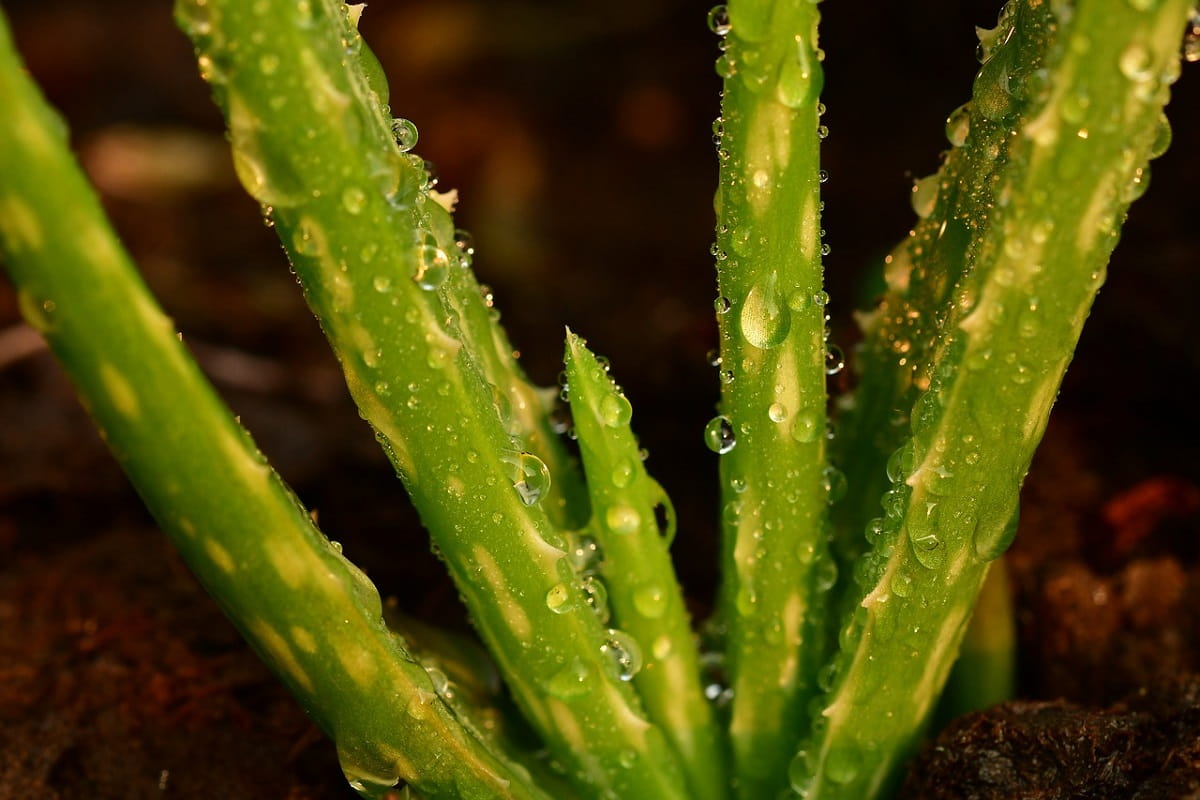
(719, 435)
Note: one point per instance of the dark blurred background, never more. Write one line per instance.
(579, 138)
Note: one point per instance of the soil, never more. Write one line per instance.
(578, 138)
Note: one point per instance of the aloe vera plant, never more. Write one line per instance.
(850, 564)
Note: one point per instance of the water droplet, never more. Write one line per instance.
(269, 180)
(807, 427)
(1137, 185)
(431, 173)
(958, 125)
(842, 764)
(623, 653)
(309, 238)
(718, 20)
(835, 484)
(573, 680)
(725, 67)
(993, 98)
(721, 305)
(441, 684)
(800, 77)
(990, 539)
(433, 265)
(615, 410)
(650, 601)
(1136, 63)
(719, 435)
(925, 195)
(530, 476)
(825, 575)
(822, 132)
(765, 318)
(368, 772)
(1162, 137)
(195, 17)
(1191, 40)
(621, 518)
(800, 772)
(746, 600)
(596, 595)
(760, 179)
(464, 243)
(405, 134)
(834, 360)
(382, 284)
(822, 176)
(900, 463)
(927, 547)
(821, 299)
(354, 199)
(777, 412)
(558, 599)
(726, 376)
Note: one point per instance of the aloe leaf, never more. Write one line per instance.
(375, 251)
(986, 670)
(643, 593)
(311, 615)
(953, 208)
(1072, 164)
(771, 429)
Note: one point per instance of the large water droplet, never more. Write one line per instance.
(1162, 137)
(366, 771)
(800, 772)
(558, 598)
(573, 680)
(992, 95)
(405, 134)
(596, 595)
(800, 77)
(718, 20)
(1191, 40)
(624, 654)
(622, 518)
(1136, 63)
(835, 361)
(835, 483)
(309, 238)
(195, 17)
(615, 410)
(268, 179)
(843, 763)
(650, 600)
(433, 265)
(719, 435)
(925, 195)
(958, 125)
(530, 476)
(991, 538)
(622, 473)
(765, 318)
(354, 199)
(807, 427)
(928, 547)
